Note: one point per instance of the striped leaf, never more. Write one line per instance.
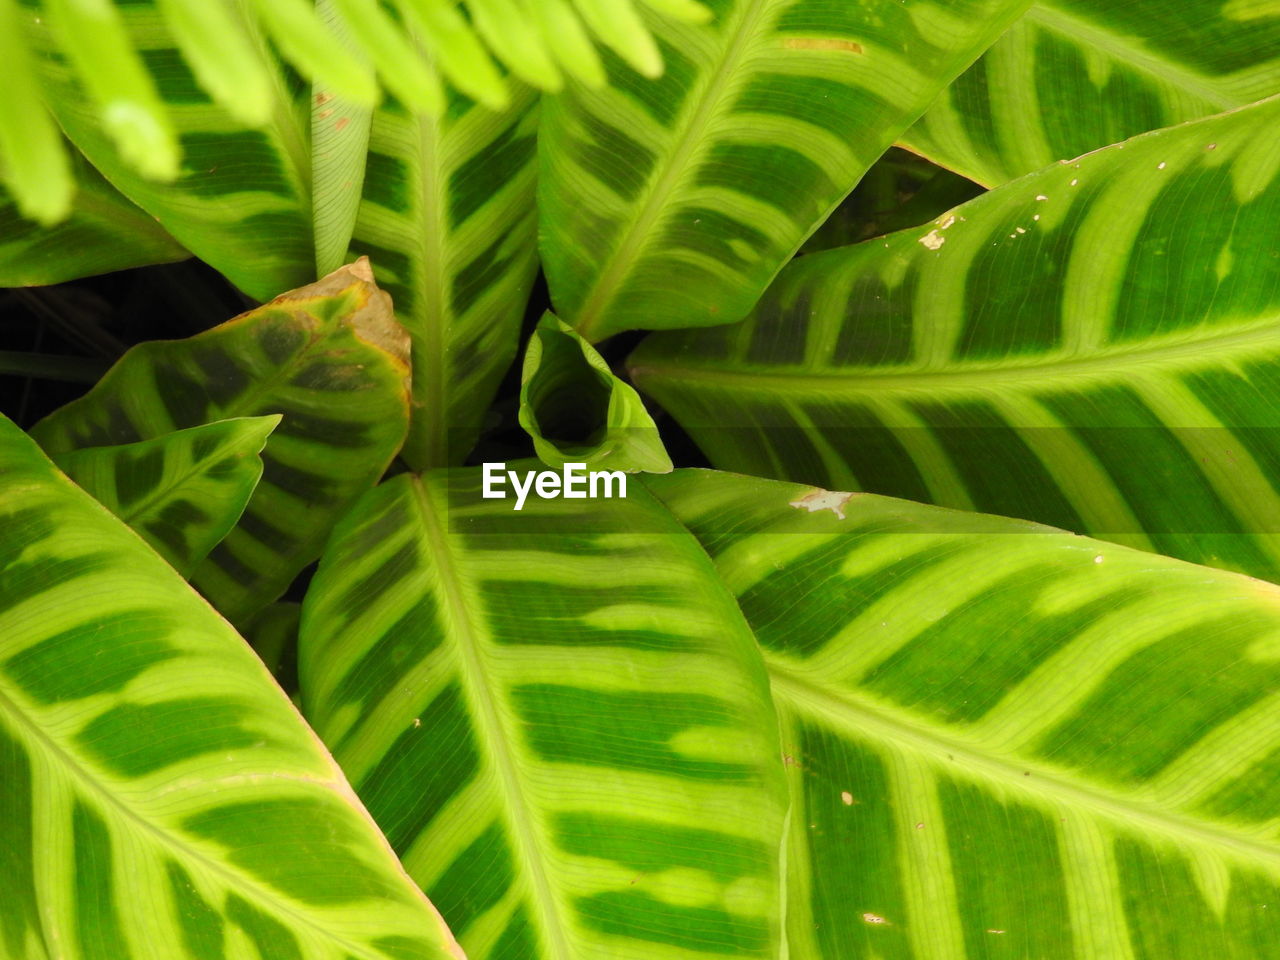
(159, 797)
(1005, 741)
(242, 199)
(557, 716)
(576, 410)
(1093, 346)
(102, 233)
(329, 357)
(447, 218)
(1075, 75)
(181, 492)
(674, 203)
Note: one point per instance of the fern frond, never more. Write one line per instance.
(354, 49)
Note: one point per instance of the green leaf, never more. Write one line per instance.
(92, 35)
(1075, 75)
(557, 716)
(33, 161)
(339, 148)
(103, 232)
(576, 410)
(448, 220)
(674, 203)
(181, 492)
(273, 634)
(242, 199)
(159, 792)
(1004, 741)
(329, 357)
(1093, 346)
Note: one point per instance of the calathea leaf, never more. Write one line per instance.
(158, 794)
(329, 357)
(1092, 346)
(103, 232)
(241, 201)
(181, 492)
(674, 203)
(557, 716)
(1075, 75)
(1004, 740)
(1000, 739)
(447, 218)
(576, 410)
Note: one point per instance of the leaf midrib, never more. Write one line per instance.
(689, 141)
(873, 720)
(492, 734)
(1192, 352)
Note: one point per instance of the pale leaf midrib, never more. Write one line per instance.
(870, 719)
(608, 283)
(261, 891)
(1096, 37)
(1185, 352)
(491, 735)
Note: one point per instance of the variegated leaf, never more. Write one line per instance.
(1093, 346)
(1075, 75)
(181, 492)
(159, 796)
(1005, 742)
(557, 716)
(329, 357)
(674, 203)
(448, 221)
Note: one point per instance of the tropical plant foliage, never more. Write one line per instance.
(967, 645)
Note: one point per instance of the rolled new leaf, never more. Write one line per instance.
(576, 410)
(181, 492)
(329, 357)
(157, 789)
(1093, 346)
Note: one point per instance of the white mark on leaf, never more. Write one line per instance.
(824, 500)
(846, 798)
(932, 240)
(873, 918)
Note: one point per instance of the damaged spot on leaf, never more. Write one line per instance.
(933, 240)
(824, 500)
(821, 43)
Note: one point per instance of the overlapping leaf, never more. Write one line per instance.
(1094, 346)
(1005, 741)
(577, 411)
(1075, 75)
(447, 218)
(674, 203)
(181, 492)
(103, 232)
(241, 201)
(329, 357)
(158, 794)
(558, 717)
